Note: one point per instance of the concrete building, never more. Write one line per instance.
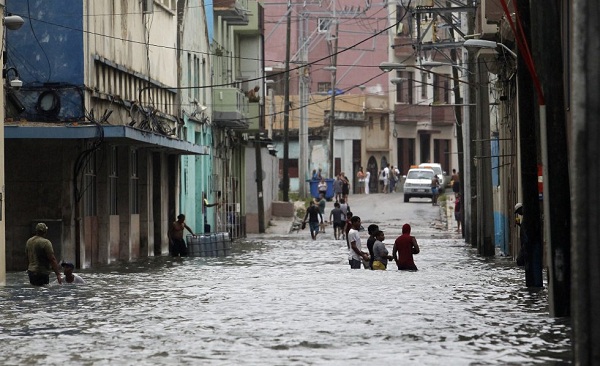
(355, 32)
(92, 145)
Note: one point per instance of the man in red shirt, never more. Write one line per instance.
(404, 248)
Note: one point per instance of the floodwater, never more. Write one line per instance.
(286, 301)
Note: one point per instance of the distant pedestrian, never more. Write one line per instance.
(435, 183)
(367, 181)
(337, 219)
(455, 181)
(386, 179)
(361, 180)
(345, 187)
(349, 216)
(40, 257)
(355, 254)
(313, 214)
(322, 187)
(321, 203)
(337, 188)
(392, 184)
(404, 248)
(380, 252)
(371, 229)
(344, 206)
(457, 211)
(175, 234)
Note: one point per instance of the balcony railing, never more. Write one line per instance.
(438, 115)
(235, 12)
(230, 108)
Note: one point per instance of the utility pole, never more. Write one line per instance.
(286, 110)
(333, 92)
(259, 184)
(304, 87)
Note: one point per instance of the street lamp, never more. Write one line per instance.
(482, 43)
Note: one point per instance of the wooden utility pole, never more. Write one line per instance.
(259, 184)
(286, 108)
(546, 35)
(586, 211)
(332, 112)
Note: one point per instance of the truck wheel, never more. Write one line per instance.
(406, 198)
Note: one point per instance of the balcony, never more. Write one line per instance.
(403, 46)
(234, 12)
(439, 115)
(254, 25)
(230, 108)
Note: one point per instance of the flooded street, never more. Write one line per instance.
(283, 299)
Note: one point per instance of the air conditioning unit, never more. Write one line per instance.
(147, 6)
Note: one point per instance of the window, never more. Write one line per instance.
(370, 122)
(292, 167)
(323, 25)
(134, 179)
(441, 89)
(404, 88)
(324, 86)
(113, 181)
(382, 122)
(424, 85)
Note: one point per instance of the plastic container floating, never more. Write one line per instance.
(211, 245)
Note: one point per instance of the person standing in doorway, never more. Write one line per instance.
(355, 254)
(175, 234)
(404, 248)
(41, 259)
(367, 181)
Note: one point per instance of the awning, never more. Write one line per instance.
(115, 134)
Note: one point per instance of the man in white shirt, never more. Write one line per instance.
(70, 277)
(355, 253)
(386, 179)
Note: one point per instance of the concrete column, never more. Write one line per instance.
(485, 203)
(585, 297)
